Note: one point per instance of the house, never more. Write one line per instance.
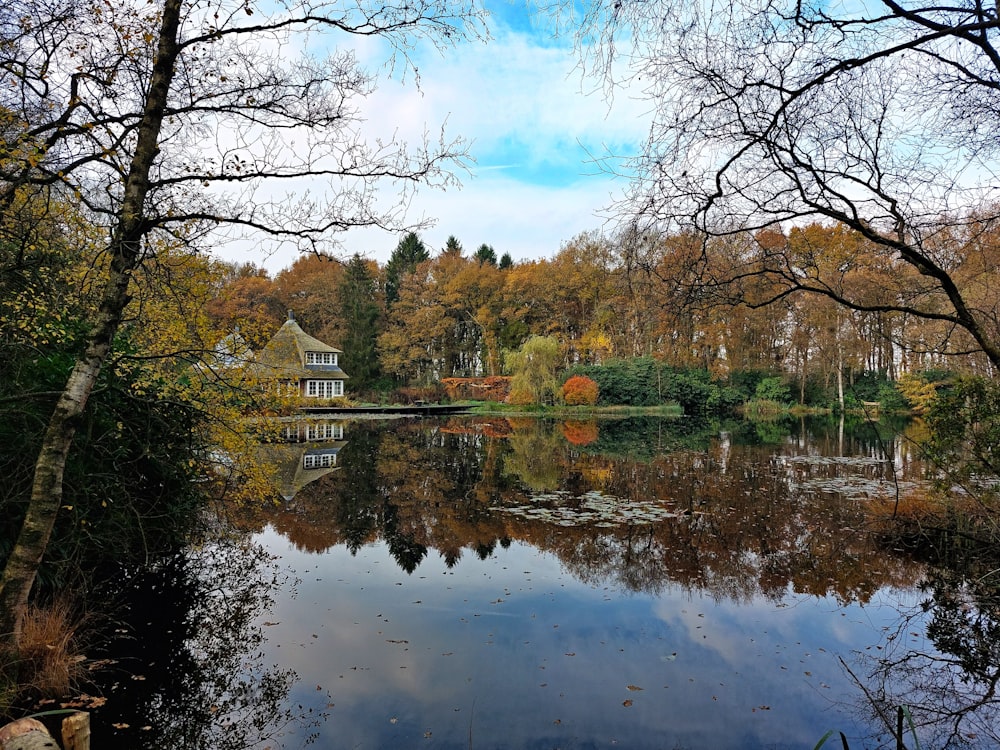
(300, 364)
(231, 352)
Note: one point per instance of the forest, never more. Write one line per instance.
(686, 302)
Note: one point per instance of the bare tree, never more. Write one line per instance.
(881, 116)
(169, 120)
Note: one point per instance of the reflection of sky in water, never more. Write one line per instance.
(514, 652)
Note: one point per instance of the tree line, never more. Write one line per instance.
(724, 306)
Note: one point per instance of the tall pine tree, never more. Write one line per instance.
(361, 318)
(404, 259)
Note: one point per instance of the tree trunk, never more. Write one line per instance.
(125, 252)
(26, 734)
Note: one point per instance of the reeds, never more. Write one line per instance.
(49, 661)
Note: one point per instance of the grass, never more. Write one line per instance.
(492, 407)
(49, 662)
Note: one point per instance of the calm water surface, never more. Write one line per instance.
(480, 583)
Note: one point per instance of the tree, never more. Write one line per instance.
(880, 117)
(109, 105)
(534, 369)
(417, 325)
(473, 294)
(485, 254)
(360, 314)
(310, 289)
(409, 253)
(452, 247)
(249, 300)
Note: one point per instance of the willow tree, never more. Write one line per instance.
(879, 116)
(172, 119)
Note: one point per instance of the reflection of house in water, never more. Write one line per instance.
(306, 451)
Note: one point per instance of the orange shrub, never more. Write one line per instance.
(580, 391)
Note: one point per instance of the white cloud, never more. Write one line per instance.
(519, 101)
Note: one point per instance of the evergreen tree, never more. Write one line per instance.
(452, 247)
(361, 318)
(506, 261)
(404, 259)
(486, 254)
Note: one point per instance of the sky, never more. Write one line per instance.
(534, 124)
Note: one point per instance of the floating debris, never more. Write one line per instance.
(604, 511)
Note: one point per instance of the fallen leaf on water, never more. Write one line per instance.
(627, 703)
(120, 725)
(633, 687)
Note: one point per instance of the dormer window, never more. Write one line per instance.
(321, 358)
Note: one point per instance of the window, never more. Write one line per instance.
(321, 358)
(324, 388)
(319, 461)
(325, 432)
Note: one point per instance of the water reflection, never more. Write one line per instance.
(644, 583)
(638, 502)
(184, 666)
(940, 659)
(300, 452)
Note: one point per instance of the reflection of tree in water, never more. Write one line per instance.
(733, 527)
(949, 680)
(203, 684)
(739, 526)
(534, 445)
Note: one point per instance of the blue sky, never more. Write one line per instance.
(523, 104)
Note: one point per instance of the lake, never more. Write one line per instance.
(489, 582)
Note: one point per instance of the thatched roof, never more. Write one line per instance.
(284, 356)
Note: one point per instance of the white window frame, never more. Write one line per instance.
(321, 358)
(319, 461)
(324, 388)
(324, 432)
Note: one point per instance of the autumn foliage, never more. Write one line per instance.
(580, 391)
(494, 388)
(580, 433)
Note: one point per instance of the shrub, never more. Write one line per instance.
(521, 397)
(921, 389)
(580, 391)
(772, 389)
